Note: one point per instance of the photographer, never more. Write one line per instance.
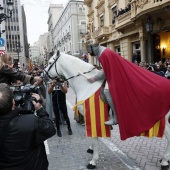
(22, 135)
(8, 73)
(59, 89)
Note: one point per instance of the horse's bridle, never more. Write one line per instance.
(55, 60)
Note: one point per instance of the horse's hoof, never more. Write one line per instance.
(90, 151)
(165, 167)
(90, 166)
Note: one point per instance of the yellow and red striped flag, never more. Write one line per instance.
(96, 113)
(157, 130)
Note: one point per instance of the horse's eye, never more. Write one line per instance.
(49, 62)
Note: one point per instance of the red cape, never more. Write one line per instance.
(141, 97)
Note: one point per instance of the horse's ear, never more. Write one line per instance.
(58, 52)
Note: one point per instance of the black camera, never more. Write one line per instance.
(59, 80)
(23, 98)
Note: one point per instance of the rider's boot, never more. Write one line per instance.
(113, 120)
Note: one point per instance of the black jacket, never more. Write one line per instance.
(7, 75)
(23, 147)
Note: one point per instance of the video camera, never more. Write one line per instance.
(23, 97)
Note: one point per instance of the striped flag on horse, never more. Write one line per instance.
(157, 130)
(96, 113)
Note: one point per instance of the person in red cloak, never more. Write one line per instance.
(141, 98)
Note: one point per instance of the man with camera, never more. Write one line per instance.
(59, 88)
(22, 136)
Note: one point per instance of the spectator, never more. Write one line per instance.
(8, 74)
(23, 135)
(134, 57)
(59, 90)
(162, 66)
(85, 58)
(158, 70)
(167, 74)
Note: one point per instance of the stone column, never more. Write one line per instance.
(142, 44)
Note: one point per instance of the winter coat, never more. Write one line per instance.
(23, 147)
(7, 75)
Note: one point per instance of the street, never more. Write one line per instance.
(69, 152)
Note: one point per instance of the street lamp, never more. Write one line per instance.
(4, 16)
(149, 25)
(18, 49)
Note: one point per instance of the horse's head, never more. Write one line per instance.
(51, 70)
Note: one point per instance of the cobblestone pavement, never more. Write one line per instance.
(69, 152)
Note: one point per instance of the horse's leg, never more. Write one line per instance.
(93, 147)
(90, 149)
(166, 157)
(92, 163)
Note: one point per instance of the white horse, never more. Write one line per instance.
(70, 67)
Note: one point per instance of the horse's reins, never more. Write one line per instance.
(55, 60)
(80, 74)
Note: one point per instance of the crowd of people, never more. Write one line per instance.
(23, 135)
(22, 132)
(160, 68)
(121, 11)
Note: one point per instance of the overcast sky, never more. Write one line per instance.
(37, 16)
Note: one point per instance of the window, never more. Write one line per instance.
(114, 13)
(80, 10)
(117, 49)
(114, 10)
(102, 20)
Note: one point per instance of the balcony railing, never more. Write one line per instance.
(140, 7)
(101, 32)
(87, 36)
(87, 2)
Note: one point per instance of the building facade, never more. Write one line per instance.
(128, 27)
(68, 30)
(15, 34)
(42, 45)
(54, 13)
(34, 54)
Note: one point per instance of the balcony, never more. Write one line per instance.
(111, 2)
(68, 35)
(87, 36)
(101, 32)
(142, 7)
(88, 2)
(99, 4)
(123, 21)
